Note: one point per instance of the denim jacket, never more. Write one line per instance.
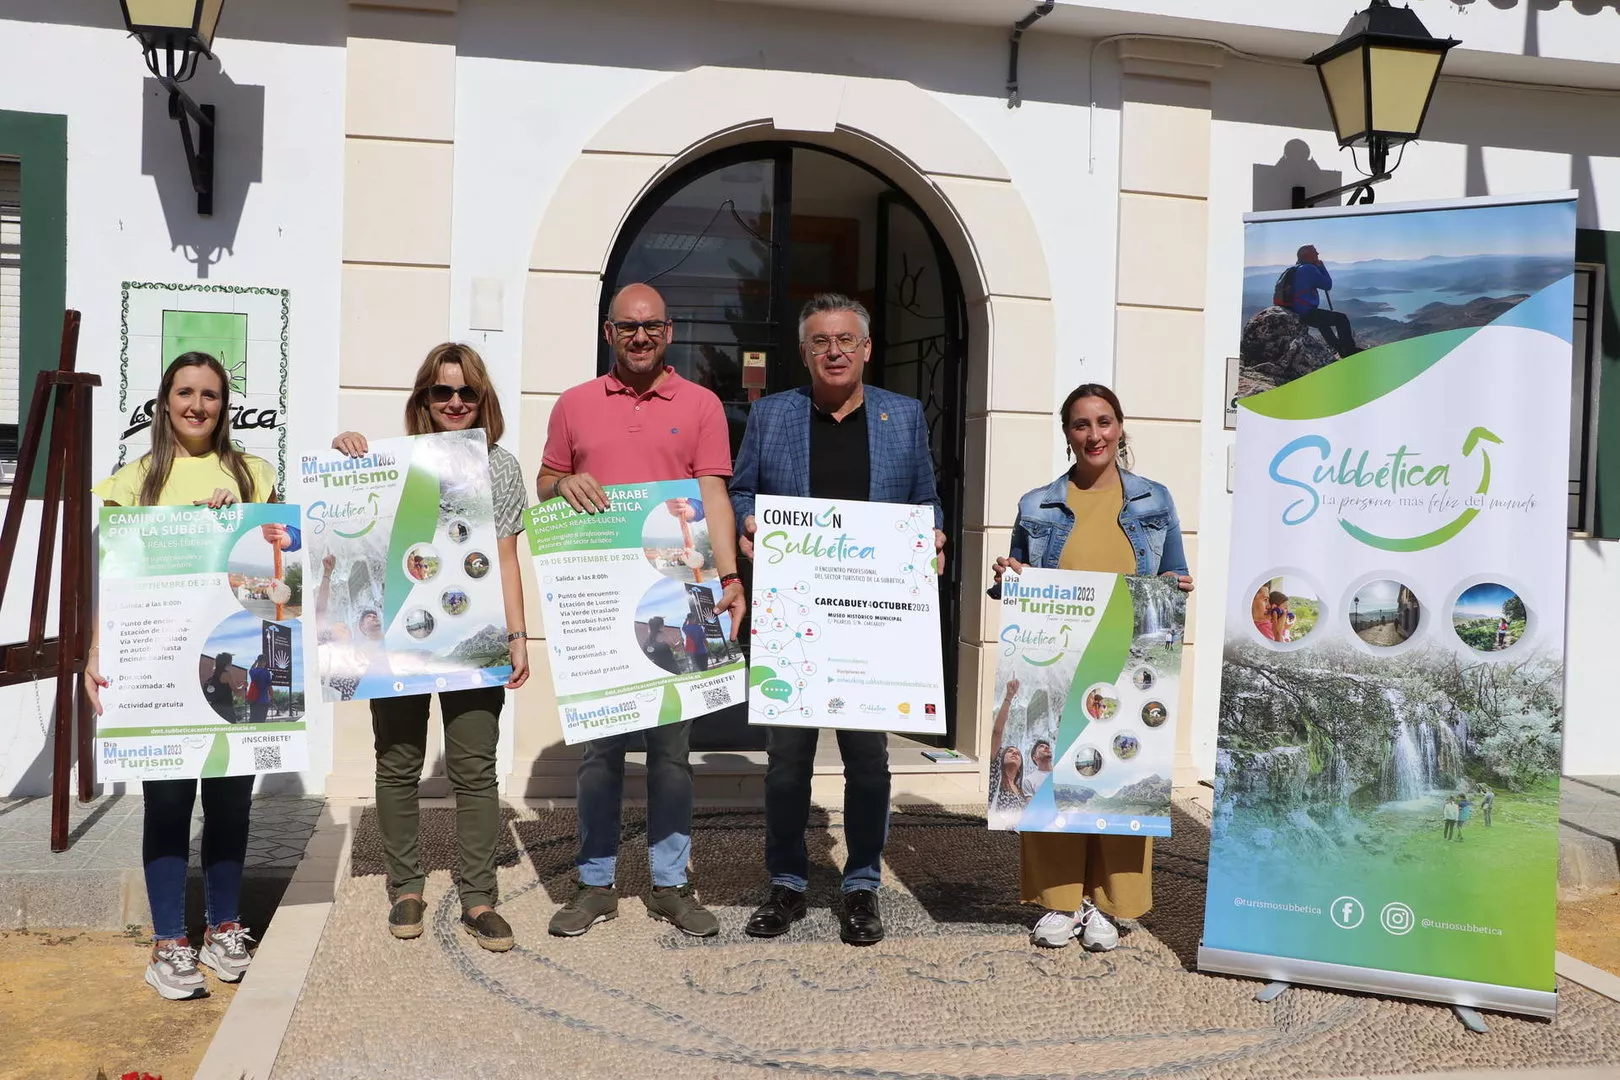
(1148, 519)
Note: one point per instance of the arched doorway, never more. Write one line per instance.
(736, 242)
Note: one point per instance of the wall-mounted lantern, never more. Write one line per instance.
(1378, 79)
(174, 34)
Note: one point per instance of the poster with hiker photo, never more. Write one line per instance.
(1088, 692)
(406, 584)
(629, 597)
(1393, 666)
(201, 615)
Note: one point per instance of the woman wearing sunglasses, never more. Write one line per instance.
(453, 393)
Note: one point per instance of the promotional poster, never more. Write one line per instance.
(1392, 685)
(1088, 691)
(201, 617)
(406, 578)
(845, 628)
(629, 596)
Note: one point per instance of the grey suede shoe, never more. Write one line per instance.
(590, 905)
(679, 904)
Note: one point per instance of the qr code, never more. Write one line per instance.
(266, 758)
(716, 697)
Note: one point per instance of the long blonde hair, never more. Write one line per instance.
(160, 459)
(419, 420)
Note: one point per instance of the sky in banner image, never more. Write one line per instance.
(1396, 277)
(1392, 688)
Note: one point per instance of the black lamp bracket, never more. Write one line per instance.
(1361, 191)
(170, 73)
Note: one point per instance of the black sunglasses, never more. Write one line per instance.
(440, 394)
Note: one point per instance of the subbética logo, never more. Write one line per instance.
(1309, 463)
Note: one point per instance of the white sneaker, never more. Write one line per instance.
(1099, 935)
(173, 971)
(1054, 930)
(225, 950)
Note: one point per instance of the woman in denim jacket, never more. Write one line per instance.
(1098, 516)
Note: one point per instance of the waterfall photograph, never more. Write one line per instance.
(1340, 756)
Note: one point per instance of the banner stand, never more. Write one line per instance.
(1393, 638)
(1453, 992)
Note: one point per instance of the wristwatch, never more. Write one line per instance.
(517, 635)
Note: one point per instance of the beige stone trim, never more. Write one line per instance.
(1165, 59)
(401, 90)
(432, 7)
(396, 204)
(249, 1036)
(391, 316)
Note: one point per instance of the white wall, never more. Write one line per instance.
(1480, 140)
(278, 223)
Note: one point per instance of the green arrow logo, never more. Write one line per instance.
(1475, 438)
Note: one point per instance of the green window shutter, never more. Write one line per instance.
(39, 142)
(1593, 246)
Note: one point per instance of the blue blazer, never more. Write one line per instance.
(774, 458)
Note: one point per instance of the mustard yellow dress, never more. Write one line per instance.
(1058, 870)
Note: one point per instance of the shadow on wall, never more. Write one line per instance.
(238, 161)
(1274, 184)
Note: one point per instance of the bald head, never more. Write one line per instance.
(637, 302)
(639, 330)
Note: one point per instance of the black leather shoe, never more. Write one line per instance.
(777, 915)
(858, 921)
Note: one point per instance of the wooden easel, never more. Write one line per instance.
(63, 396)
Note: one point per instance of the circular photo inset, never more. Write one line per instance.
(1143, 678)
(459, 531)
(1102, 702)
(1154, 714)
(476, 565)
(675, 540)
(454, 602)
(1088, 761)
(1126, 746)
(1285, 609)
(1384, 613)
(251, 570)
(419, 623)
(677, 627)
(1489, 617)
(422, 562)
(245, 666)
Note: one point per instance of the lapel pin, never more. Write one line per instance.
(883, 416)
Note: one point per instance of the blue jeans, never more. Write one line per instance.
(166, 848)
(669, 805)
(787, 805)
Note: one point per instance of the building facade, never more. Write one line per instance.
(393, 174)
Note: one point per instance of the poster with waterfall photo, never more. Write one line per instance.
(1088, 692)
(1392, 685)
(407, 581)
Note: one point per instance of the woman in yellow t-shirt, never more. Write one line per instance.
(192, 462)
(1097, 516)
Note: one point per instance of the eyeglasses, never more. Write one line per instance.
(440, 394)
(847, 343)
(655, 328)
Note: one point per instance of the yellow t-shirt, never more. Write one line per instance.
(1097, 542)
(191, 479)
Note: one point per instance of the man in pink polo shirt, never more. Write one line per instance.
(641, 422)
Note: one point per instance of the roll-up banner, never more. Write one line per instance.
(1386, 807)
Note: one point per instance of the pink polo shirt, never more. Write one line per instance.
(675, 431)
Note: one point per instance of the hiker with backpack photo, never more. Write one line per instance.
(1296, 290)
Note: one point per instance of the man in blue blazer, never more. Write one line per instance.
(835, 439)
